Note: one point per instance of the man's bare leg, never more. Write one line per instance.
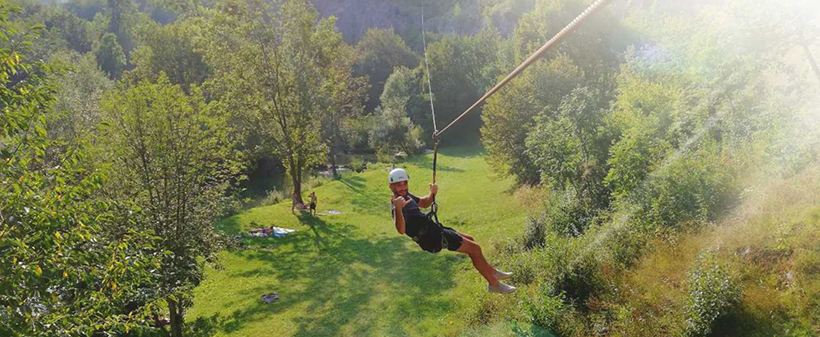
(466, 236)
(473, 250)
(470, 237)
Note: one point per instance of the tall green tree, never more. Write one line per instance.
(62, 273)
(110, 56)
(381, 50)
(170, 49)
(405, 89)
(570, 147)
(347, 103)
(276, 67)
(69, 27)
(173, 157)
(511, 114)
(79, 91)
(462, 68)
(394, 129)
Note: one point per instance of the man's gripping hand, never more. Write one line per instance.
(433, 189)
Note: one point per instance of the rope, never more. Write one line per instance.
(434, 206)
(591, 9)
(429, 86)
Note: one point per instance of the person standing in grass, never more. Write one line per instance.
(432, 236)
(313, 203)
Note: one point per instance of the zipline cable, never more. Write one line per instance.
(591, 9)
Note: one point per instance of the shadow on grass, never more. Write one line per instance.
(367, 200)
(427, 163)
(229, 225)
(340, 281)
(457, 152)
(462, 151)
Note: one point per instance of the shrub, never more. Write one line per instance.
(568, 214)
(357, 164)
(393, 131)
(314, 182)
(536, 233)
(713, 294)
(623, 244)
(543, 308)
(693, 188)
(273, 197)
(355, 132)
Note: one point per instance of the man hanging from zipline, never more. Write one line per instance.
(431, 236)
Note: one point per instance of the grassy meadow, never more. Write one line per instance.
(353, 274)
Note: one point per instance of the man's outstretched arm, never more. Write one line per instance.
(427, 200)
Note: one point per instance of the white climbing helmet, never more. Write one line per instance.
(398, 175)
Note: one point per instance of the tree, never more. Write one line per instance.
(393, 131)
(462, 69)
(79, 91)
(173, 157)
(119, 21)
(276, 67)
(380, 51)
(349, 94)
(569, 148)
(777, 29)
(170, 49)
(63, 275)
(110, 56)
(511, 114)
(405, 89)
(69, 27)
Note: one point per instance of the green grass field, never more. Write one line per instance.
(353, 274)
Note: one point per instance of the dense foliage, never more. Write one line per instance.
(127, 124)
(63, 271)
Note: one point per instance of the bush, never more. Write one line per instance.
(695, 187)
(535, 234)
(567, 214)
(393, 132)
(623, 244)
(313, 183)
(273, 197)
(357, 164)
(355, 132)
(545, 309)
(713, 294)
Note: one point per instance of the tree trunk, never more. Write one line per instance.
(176, 318)
(333, 163)
(296, 179)
(811, 61)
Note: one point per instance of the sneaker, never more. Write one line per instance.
(501, 288)
(501, 275)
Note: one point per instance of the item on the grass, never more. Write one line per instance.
(271, 231)
(334, 211)
(270, 298)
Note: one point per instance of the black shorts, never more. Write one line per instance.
(312, 205)
(436, 238)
